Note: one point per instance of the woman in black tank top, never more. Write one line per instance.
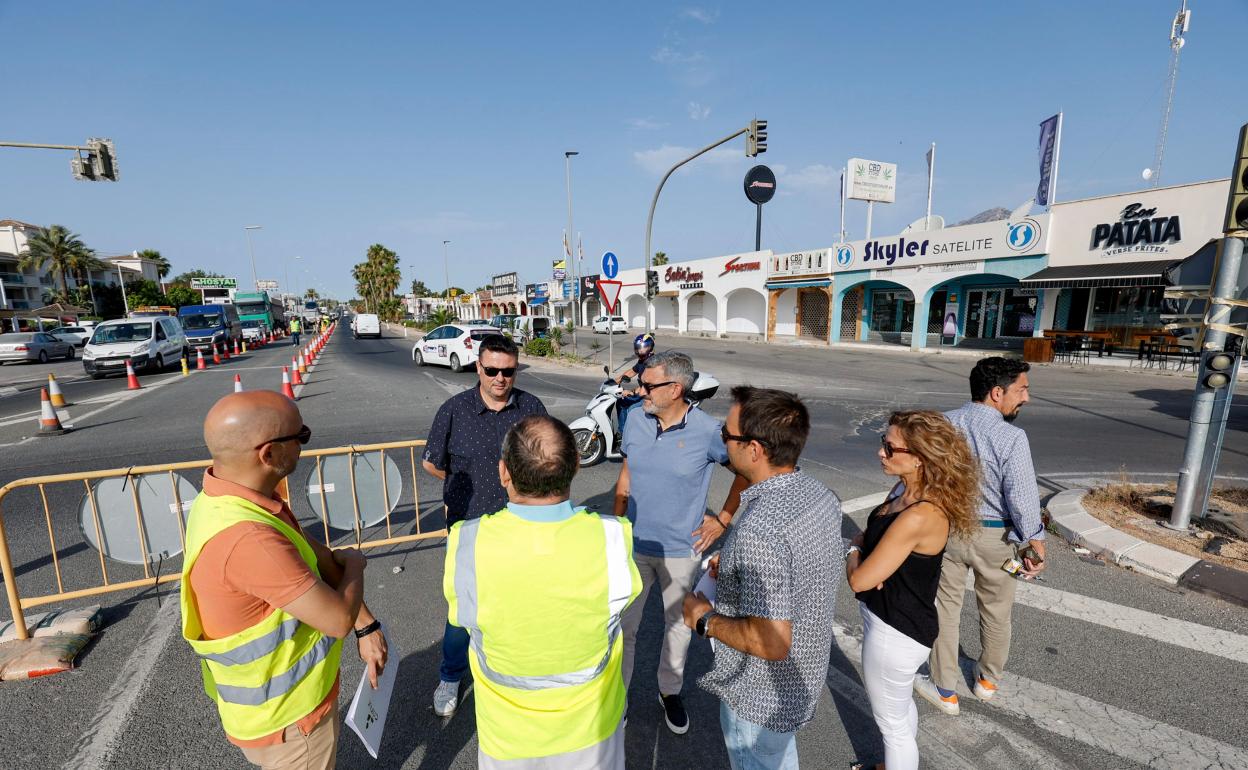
(894, 566)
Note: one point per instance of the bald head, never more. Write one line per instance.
(240, 422)
(540, 455)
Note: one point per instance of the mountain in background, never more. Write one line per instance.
(991, 215)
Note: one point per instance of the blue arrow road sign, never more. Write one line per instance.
(610, 266)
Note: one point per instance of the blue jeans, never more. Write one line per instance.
(751, 747)
(454, 653)
(621, 409)
(294, 339)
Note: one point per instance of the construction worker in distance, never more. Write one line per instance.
(296, 326)
(540, 587)
(264, 607)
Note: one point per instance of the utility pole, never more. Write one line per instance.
(446, 273)
(254, 280)
(576, 275)
(1178, 27)
(121, 281)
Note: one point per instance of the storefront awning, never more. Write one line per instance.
(1086, 276)
(822, 283)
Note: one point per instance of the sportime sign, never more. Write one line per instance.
(1137, 230)
(990, 240)
(735, 265)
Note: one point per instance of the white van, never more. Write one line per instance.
(366, 325)
(153, 343)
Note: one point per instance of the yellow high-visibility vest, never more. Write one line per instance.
(269, 676)
(542, 603)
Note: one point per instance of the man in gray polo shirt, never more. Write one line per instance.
(670, 450)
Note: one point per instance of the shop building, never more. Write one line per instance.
(716, 297)
(953, 286)
(799, 296)
(1107, 257)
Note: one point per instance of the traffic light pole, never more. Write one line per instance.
(1196, 475)
(655, 201)
(97, 150)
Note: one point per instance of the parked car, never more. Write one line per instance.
(454, 345)
(503, 321)
(33, 346)
(150, 343)
(77, 335)
(366, 325)
(610, 325)
(530, 327)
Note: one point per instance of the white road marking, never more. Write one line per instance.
(451, 389)
(863, 503)
(8, 392)
(99, 740)
(1100, 725)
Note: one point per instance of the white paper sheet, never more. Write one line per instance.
(367, 715)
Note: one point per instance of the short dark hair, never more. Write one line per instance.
(778, 420)
(540, 454)
(498, 343)
(995, 372)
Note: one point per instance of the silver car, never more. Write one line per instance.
(33, 346)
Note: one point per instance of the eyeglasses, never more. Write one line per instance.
(303, 437)
(725, 436)
(494, 371)
(649, 386)
(890, 450)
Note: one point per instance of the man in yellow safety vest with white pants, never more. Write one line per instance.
(540, 587)
(263, 607)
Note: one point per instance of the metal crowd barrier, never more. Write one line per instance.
(360, 530)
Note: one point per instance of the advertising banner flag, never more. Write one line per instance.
(1050, 138)
(567, 249)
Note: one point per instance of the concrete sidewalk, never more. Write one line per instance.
(1080, 528)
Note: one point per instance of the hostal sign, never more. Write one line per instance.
(1137, 230)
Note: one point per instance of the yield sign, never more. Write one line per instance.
(610, 291)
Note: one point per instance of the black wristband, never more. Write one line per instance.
(360, 633)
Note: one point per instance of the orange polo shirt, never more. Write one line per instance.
(244, 573)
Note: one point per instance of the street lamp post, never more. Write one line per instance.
(255, 282)
(576, 277)
(121, 281)
(446, 272)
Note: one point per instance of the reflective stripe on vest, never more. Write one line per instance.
(620, 586)
(280, 684)
(257, 648)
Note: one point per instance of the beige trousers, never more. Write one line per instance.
(676, 577)
(318, 750)
(983, 553)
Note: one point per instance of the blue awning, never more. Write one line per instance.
(800, 284)
(538, 301)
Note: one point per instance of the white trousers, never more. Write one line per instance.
(890, 660)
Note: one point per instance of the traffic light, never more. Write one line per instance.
(83, 168)
(1237, 201)
(1217, 369)
(103, 159)
(652, 284)
(756, 138)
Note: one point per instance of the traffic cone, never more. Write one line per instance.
(216, 355)
(303, 364)
(49, 423)
(225, 351)
(54, 389)
(287, 391)
(238, 384)
(186, 367)
(244, 346)
(200, 364)
(235, 347)
(132, 380)
(296, 378)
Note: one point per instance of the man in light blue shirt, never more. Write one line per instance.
(1009, 517)
(670, 450)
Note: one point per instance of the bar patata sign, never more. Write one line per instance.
(1027, 236)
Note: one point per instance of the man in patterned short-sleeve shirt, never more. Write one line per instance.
(776, 587)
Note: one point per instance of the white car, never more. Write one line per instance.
(455, 345)
(78, 335)
(610, 325)
(152, 343)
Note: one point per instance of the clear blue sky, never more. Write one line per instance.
(340, 125)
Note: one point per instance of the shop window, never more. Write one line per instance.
(936, 312)
(892, 311)
(1126, 307)
(1018, 312)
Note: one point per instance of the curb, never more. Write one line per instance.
(1078, 527)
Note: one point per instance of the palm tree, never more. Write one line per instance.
(82, 265)
(660, 258)
(54, 248)
(311, 294)
(163, 268)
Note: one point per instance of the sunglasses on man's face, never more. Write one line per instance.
(494, 371)
(725, 436)
(303, 437)
(890, 450)
(649, 386)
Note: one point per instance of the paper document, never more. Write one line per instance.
(367, 715)
(706, 587)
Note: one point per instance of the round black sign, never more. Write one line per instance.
(760, 184)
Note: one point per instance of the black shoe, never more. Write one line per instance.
(675, 714)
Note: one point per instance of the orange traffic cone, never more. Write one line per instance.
(49, 423)
(296, 378)
(238, 384)
(132, 380)
(200, 364)
(235, 347)
(225, 351)
(287, 391)
(54, 390)
(303, 364)
(216, 355)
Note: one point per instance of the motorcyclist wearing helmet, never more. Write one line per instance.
(643, 346)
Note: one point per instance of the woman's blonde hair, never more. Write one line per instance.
(950, 473)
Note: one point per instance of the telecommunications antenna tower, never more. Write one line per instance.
(1178, 28)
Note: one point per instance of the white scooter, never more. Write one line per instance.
(597, 433)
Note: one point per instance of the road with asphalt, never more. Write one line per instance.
(1108, 668)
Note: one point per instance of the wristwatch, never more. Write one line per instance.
(851, 549)
(360, 633)
(704, 623)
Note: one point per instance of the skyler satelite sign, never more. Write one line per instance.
(1024, 237)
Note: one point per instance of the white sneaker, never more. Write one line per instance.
(446, 698)
(984, 689)
(926, 689)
